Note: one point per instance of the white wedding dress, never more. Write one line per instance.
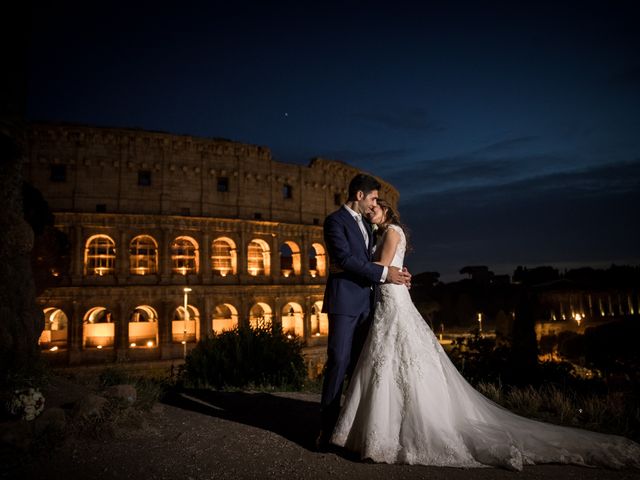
(407, 403)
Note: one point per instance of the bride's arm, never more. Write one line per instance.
(390, 242)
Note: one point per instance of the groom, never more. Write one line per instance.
(349, 295)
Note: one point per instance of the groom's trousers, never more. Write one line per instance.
(347, 335)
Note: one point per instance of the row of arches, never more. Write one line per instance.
(98, 324)
(100, 257)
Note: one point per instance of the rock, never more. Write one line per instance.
(89, 406)
(126, 393)
(53, 419)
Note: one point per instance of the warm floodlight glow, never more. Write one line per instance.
(132, 344)
(149, 343)
(53, 349)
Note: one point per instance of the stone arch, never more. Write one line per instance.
(55, 333)
(290, 261)
(183, 329)
(98, 328)
(293, 319)
(319, 320)
(260, 316)
(258, 258)
(100, 255)
(143, 255)
(317, 260)
(185, 257)
(143, 327)
(224, 317)
(224, 257)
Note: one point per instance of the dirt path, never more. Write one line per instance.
(219, 435)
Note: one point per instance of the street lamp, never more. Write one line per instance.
(186, 320)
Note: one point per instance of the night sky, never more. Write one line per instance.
(512, 131)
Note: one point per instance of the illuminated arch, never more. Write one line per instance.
(224, 256)
(185, 330)
(225, 317)
(319, 320)
(185, 256)
(99, 255)
(290, 259)
(143, 255)
(258, 258)
(317, 260)
(98, 329)
(54, 335)
(293, 319)
(143, 327)
(260, 316)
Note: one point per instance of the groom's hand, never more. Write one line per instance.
(397, 276)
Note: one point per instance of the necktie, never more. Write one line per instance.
(363, 229)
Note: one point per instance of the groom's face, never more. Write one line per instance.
(367, 202)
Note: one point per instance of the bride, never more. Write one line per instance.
(407, 403)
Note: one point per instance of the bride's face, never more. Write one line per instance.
(377, 215)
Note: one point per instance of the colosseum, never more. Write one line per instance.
(175, 237)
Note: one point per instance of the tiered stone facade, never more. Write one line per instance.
(151, 213)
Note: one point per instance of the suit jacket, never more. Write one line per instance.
(351, 271)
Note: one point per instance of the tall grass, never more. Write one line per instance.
(616, 412)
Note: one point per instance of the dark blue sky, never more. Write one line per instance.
(512, 131)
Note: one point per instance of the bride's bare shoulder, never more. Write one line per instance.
(396, 229)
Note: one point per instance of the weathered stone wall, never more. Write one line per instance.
(102, 167)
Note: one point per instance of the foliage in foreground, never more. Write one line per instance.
(613, 412)
(247, 357)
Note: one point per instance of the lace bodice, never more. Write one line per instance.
(398, 257)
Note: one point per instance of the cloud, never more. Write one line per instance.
(507, 145)
(416, 120)
(585, 216)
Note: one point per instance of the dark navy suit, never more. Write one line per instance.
(348, 299)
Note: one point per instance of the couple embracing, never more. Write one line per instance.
(406, 402)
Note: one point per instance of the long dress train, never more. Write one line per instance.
(407, 403)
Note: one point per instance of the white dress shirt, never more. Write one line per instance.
(360, 221)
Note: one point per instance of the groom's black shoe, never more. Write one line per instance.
(323, 443)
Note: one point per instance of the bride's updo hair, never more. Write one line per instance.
(391, 217)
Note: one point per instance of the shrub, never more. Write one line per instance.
(247, 357)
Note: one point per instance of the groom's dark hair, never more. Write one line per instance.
(362, 182)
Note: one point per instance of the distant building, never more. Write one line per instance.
(149, 214)
(565, 306)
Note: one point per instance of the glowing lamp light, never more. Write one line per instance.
(289, 336)
(100, 270)
(99, 347)
(183, 270)
(253, 271)
(183, 342)
(133, 344)
(53, 349)
(149, 343)
(313, 273)
(286, 273)
(318, 334)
